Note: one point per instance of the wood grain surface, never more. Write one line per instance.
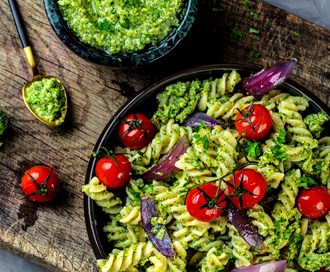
(54, 235)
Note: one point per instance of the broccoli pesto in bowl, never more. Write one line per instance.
(121, 27)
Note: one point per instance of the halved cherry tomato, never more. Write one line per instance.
(114, 171)
(40, 183)
(136, 130)
(246, 188)
(314, 202)
(203, 204)
(254, 122)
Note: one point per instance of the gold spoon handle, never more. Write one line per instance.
(23, 36)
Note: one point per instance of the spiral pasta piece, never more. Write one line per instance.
(215, 260)
(261, 220)
(98, 192)
(284, 208)
(289, 109)
(228, 110)
(120, 260)
(240, 249)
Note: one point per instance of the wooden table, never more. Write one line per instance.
(54, 235)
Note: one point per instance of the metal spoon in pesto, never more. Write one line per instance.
(36, 76)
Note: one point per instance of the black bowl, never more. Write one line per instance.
(148, 55)
(95, 219)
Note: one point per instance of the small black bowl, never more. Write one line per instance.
(146, 56)
(145, 102)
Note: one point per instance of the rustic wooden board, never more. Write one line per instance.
(54, 235)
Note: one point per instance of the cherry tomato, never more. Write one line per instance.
(248, 189)
(198, 199)
(136, 131)
(322, 270)
(114, 172)
(254, 123)
(314, 202)
(40, 183)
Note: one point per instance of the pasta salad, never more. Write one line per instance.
(293, 156)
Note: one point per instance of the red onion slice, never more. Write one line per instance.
(268, 78)
(148, 211)
(196, 118)
(242, 222)
(276, 266)
(166, 166)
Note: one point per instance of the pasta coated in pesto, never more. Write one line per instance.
(290, 152)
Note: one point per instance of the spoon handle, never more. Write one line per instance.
(23, 36)
(19, 23)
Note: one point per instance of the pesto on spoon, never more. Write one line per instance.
(49, 105)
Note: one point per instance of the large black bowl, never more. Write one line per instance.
(145, 102)
(146, 56)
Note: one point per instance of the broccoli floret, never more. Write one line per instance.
(315, 123)
(3, 125)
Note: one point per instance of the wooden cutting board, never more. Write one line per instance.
(54, 235)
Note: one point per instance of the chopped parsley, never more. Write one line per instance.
(254, 14)
(254, 54)
(252, 148)
(278, 150)
(237, 32)
(306, 182)
(135, 195)
(254, 31)
(295, 33)
(103, 24)
(202, 140)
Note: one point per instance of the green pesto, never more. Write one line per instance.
(178, 101)
(46, 98)
(315, 123)
(315, 261)
(121, 27)
(158, 227)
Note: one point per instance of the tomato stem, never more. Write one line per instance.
(246, 115)
(211, 202)
(41, 188)
(108, 153)
(136, 123)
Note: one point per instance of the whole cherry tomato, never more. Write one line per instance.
(206, 202)
(40, 183)
(247, 187)
(113, 171)
(254, 122)
(314, 202)
(136, 130)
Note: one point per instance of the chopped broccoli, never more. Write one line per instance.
(3, 125)
(315, 123)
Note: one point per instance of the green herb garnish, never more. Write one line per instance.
(104, 25)
(237, 32)
(252, 148)
(254, 14)
(278, 150)
(306, 182)
(202, 140)
(254, 31)
(295, 33)
(254, 54)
